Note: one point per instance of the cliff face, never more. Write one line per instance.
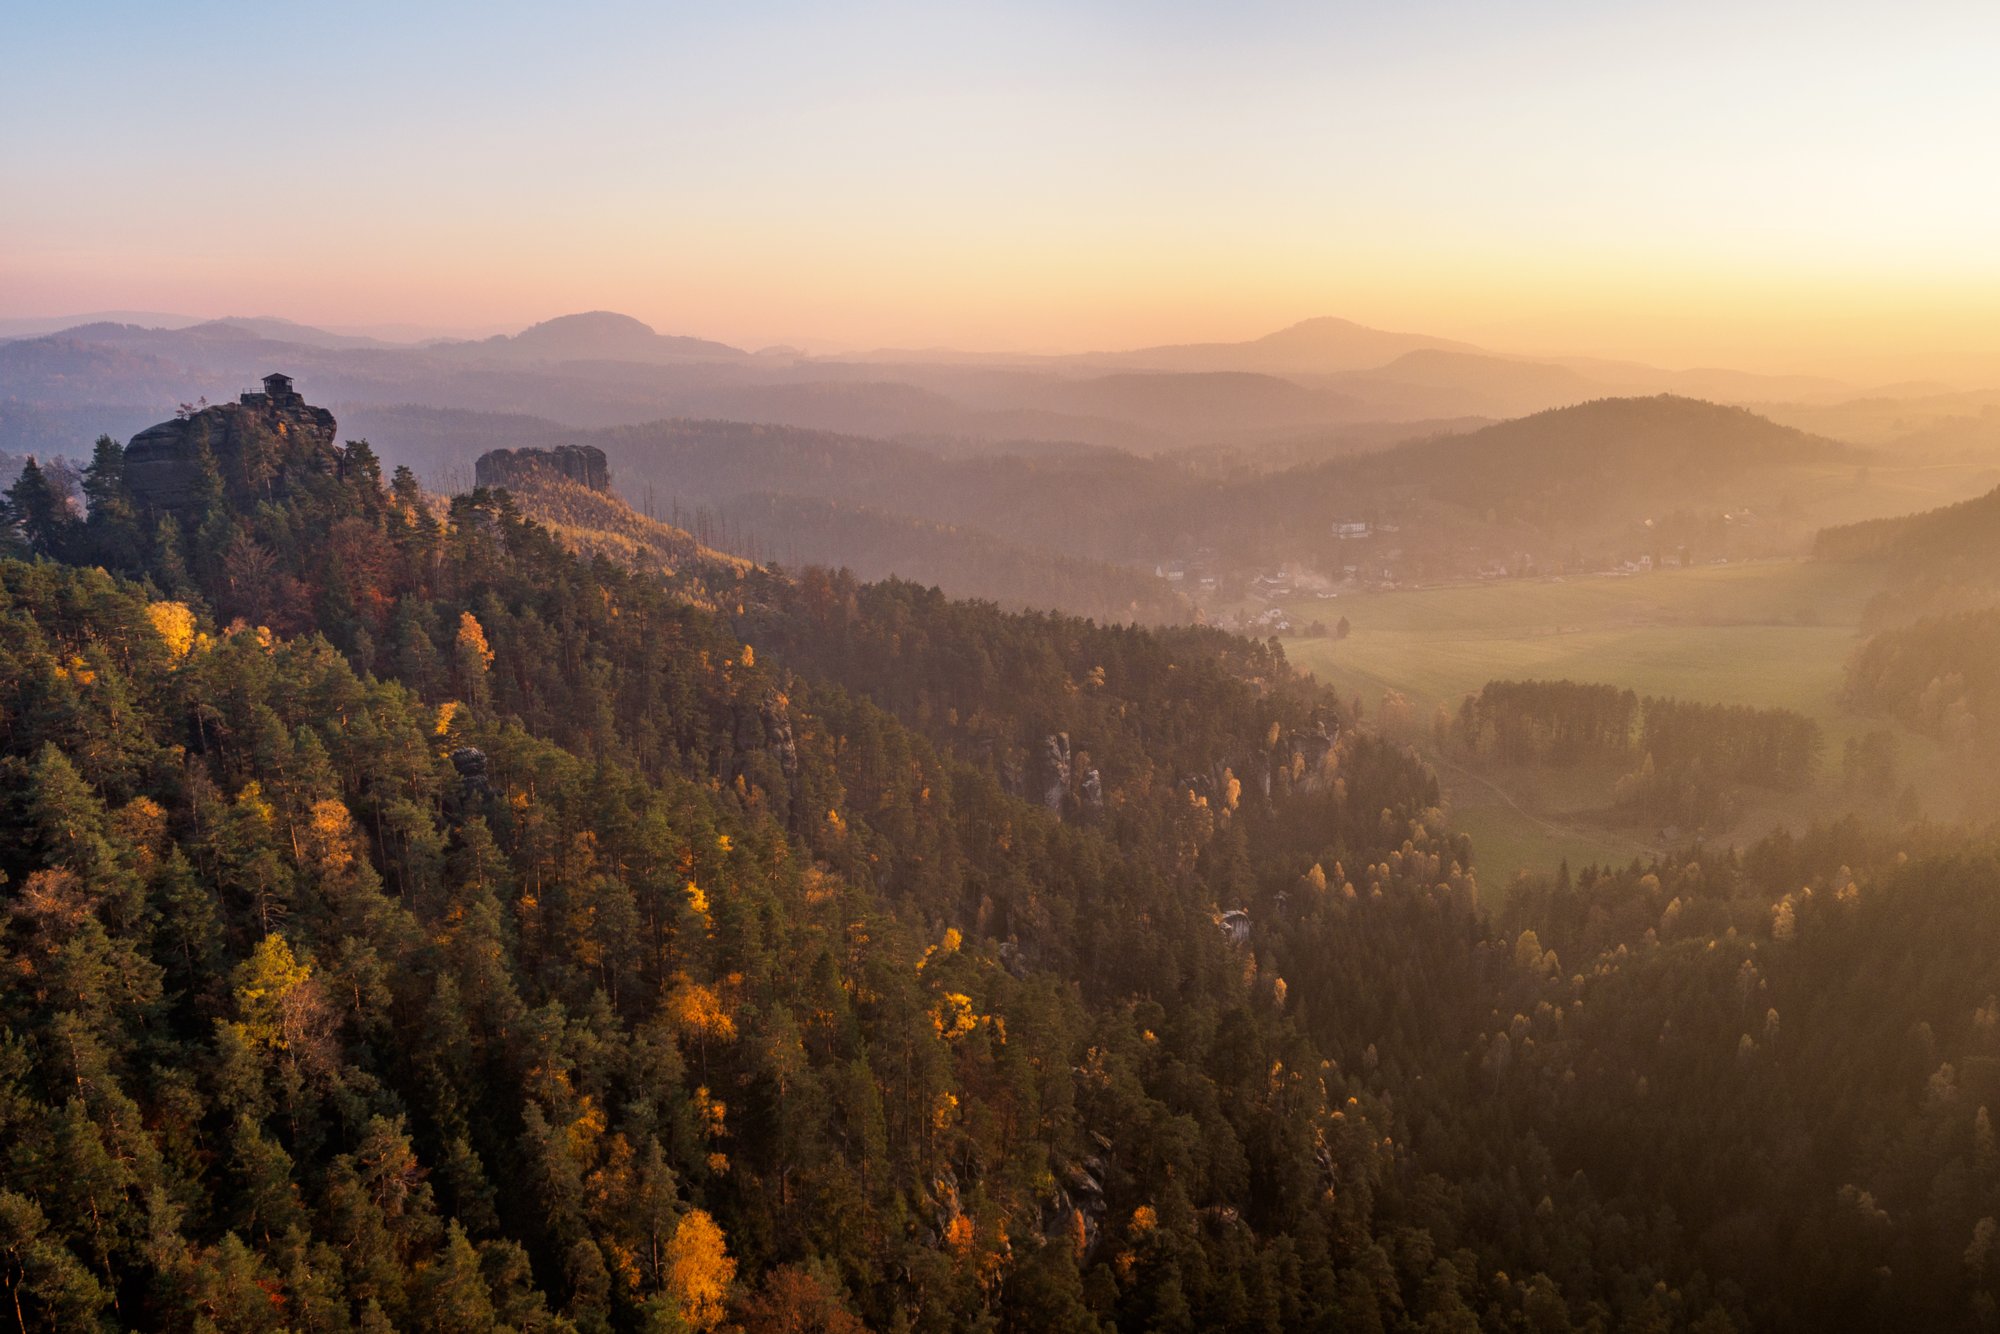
(583, 464)
(252, 449)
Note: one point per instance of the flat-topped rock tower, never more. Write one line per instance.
(583, 464)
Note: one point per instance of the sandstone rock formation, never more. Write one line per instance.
(768, 727)
(1055, 771)
(470, 762)
(253, 449)
(583, 464)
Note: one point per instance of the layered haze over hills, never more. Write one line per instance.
(1070, 480)
(536, 909)
(1099, 668)
(1321, 373)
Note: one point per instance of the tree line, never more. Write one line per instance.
(1687, 753)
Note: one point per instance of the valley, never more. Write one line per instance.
(1774, 633)
(834, 927)
(999, 669)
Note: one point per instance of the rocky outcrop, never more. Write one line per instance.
(763, 733)
(1015, 959)
(254, 449)
(945, 1206)
(775, 714)
(778, 726)
(584, 465)
(1053, 771)
(470, 761)
(474, 794)
(1296, 761)
(1075, 1209)
(1300, 758)
(1091, 791)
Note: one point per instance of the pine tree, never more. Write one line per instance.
(452, 1296)
(40, 513)
(112, 530)
(48, 1286)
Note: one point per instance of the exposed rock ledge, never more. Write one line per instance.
(583, 464)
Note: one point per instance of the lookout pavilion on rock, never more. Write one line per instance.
(278, 393)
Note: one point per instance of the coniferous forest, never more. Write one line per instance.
(411, 923)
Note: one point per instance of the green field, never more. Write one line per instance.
(1774, 633)
(1765, 634)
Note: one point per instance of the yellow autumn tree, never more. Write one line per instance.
(265, 983)
(474, 658)
(328, 841)
(175, 624)
(954, 1017)
(696, 1012)
(472, 641)
(698, 902)
(699, 1270)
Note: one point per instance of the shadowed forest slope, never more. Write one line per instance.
(414, 922)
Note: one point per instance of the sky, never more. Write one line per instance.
(1774, 186)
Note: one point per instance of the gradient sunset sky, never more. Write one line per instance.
(1775, 186)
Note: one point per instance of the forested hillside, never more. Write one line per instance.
(500, 937)
(1930, 660)
(1582, 487)
(1022, 525)
(1592, 483)
(1968, 531)
(1938, 562)
(796, 531)
(1939, 674)
(413, 923)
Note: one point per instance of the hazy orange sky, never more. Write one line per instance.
(1778, 186)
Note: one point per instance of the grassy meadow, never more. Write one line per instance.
(1774, 633)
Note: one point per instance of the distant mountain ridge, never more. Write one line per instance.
(598, 335)
(1607, 456)
(1316, 346)
(601, 368)
(1667, 431)
(281, 331)
(35, 326)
